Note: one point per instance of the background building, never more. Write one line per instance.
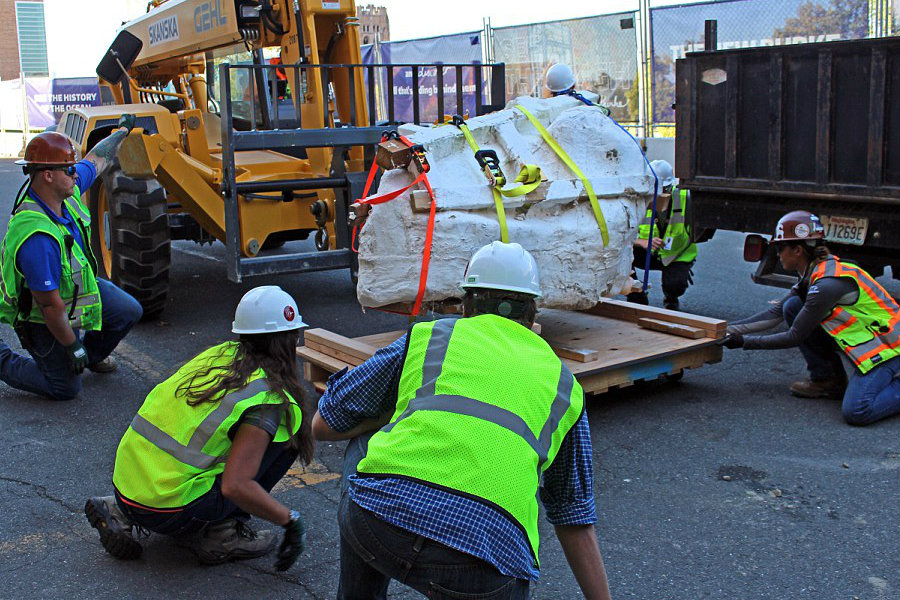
(373, 24)
(23, 39)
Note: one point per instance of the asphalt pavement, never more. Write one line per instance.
(722, 486)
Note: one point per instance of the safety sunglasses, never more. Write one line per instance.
(67, 169)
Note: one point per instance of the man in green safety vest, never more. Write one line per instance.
(672, 250)
(66, 317)
(456, 430)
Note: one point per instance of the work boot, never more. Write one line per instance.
(832, 388)
(670, 303)
(116, 530)
(229, 540)
(107, 365)
(638, 298)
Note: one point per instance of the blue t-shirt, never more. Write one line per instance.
(38, 258)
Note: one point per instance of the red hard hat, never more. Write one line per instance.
(798, 226)
(49, 148)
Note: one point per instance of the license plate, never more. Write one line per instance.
(845, 230)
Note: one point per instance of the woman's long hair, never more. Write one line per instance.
(275, 354)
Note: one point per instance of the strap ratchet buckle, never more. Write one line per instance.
(490, 164)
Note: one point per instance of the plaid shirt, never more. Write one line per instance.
(458, 522)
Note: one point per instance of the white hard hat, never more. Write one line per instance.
(560, 78)
(500, 266)
(266, 309)
(664, 173)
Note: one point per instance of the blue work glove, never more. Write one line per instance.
(78, 358)
(292, 543)
(127, 121)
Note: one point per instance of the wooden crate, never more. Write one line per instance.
(612, 345)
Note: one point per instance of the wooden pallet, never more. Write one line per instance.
(614, 344)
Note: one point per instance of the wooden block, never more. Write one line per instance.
(393, 154)
(628, 311)
(686, 331)
(420, 201)
(579, 354)
(339, 343)
(334, 352)
(329, 363)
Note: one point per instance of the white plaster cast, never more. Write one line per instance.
(559, 230)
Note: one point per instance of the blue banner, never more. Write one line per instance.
(462, 48)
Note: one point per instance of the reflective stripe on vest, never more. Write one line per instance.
(174, 451)
(683, 249)
(426, 399)
(868, 331)
(192, 453)
(83, 309)
(488, 389)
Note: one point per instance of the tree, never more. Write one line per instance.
(850, 18)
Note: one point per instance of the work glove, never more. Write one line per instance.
(78, 358)
(127, 121)
(292, 543)
(732, 341)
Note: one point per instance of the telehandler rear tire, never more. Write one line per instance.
(131, 238)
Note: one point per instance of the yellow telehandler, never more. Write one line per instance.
(255, 124)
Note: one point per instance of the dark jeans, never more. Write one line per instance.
(675, 278)
(823, 359)
(373, 552)
(48, 372)
(213, 506)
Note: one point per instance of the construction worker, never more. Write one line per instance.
(471, 414)
(835, 305)
(65, 316)
(209, 443)
(560, 81)
(672, 251)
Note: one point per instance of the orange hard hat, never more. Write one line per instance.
(799, 226)
(49, 148)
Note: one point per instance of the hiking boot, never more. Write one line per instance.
(670, 304)
(832, 388)
(107, 365)
(230, 540)
(116, 530)
(638, 298)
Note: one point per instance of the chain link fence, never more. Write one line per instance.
(605, 51)
(602, 52)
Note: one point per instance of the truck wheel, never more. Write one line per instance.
(130, 237)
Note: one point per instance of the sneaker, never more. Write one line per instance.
(107, 365)
(832, 388)
(116, 530)
(230, 540)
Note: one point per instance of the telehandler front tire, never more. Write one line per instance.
(131, 238)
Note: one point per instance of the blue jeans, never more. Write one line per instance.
(823, 359)
(48, 371)
(873, 396)
(213, 506)
(373, 552)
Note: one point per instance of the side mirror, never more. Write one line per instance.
(755, 248)
(121, 54)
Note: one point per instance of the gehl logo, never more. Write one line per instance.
(209, 15)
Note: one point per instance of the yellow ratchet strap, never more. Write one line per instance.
(529, 176)
(598, 214)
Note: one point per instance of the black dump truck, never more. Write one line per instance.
(763, 131)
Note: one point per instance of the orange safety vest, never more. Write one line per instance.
(868, 331)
